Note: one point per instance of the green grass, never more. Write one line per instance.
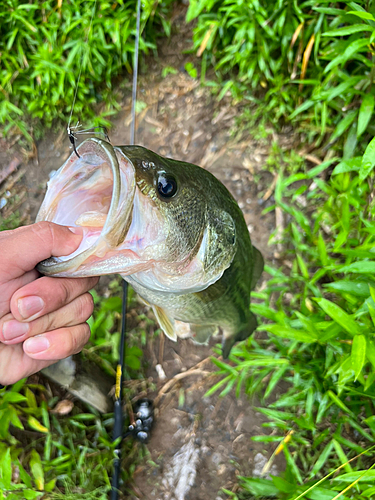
(308, 62)
(45, 46)
(45, 454)
(318, 312)
(11, 222)
(63, 451)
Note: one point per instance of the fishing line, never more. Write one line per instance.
(69, 129)
(118, 414)
(135, 74)
(141, 428)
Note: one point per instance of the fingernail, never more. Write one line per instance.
(36, 344)
(13, 329)
(30, 306)
(76, 230)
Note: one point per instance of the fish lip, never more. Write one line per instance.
(53, 265)
(121, 150)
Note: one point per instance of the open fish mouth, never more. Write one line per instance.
(94, 192)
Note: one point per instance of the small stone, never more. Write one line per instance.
(222, 469)
(216, 458)
(63, 407)
(160, 371)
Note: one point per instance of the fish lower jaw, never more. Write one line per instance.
(94, 192)
(67, 265)
(88, 264)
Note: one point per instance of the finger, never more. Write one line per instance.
(16, 364)
(28, 245)
(58, 344)
(46, 295)
(13, 286)
(76, 312)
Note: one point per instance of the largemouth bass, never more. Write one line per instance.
(169, 228)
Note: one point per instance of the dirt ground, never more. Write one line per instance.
(198, 446)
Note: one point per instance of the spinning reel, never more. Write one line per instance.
(144, 418)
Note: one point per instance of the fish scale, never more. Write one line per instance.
(173, 231)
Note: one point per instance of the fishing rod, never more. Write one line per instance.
(141, 427)
(143, 410)
(117, 408)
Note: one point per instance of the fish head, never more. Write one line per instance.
(142, 215)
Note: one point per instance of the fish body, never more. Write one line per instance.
(170, 228)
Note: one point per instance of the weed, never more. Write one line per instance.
(319, 315)
(69, 456)
(45, 47)
(303, 60)
(11, 222)
(74, 451)
(314, 62)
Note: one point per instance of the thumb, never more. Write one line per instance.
(23, 248)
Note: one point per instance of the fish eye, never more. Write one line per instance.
(167, 186)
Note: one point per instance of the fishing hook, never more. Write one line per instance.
(73, 132)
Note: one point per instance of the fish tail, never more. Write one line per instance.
(228, 342)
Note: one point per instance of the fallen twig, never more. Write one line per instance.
(271, 189)
(175, 379)
(195, 370)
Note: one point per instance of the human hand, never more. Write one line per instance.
(41, 320)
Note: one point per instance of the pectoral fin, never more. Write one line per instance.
(166, 322)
